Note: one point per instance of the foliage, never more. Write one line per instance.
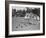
(21, 13)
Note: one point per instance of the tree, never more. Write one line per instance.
(13, 12)
(36, 11)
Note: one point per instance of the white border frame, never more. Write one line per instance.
(25, 32)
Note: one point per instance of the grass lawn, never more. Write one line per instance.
(22, 24)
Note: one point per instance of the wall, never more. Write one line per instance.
(2, 19)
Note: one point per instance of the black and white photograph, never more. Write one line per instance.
(25, 19)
